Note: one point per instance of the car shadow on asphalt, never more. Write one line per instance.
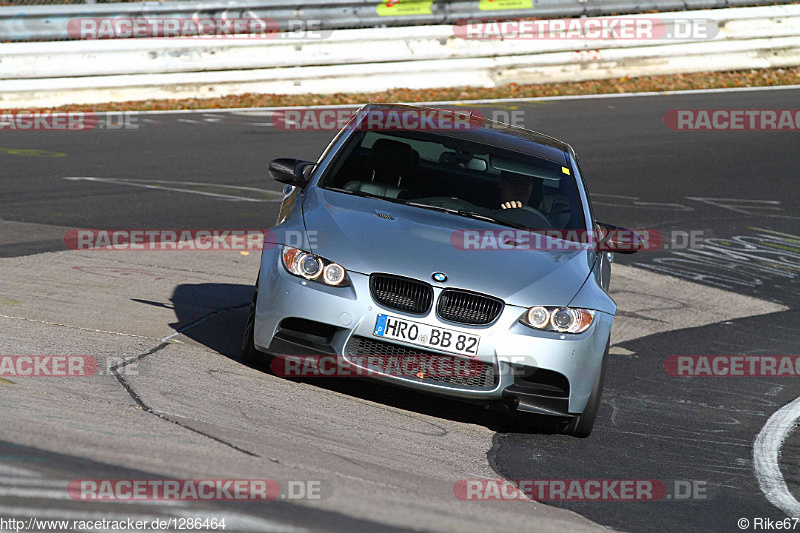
(223, 328)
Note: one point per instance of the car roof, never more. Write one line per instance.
(492, 133)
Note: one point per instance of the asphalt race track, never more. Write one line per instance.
(183, 406)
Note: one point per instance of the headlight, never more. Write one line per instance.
(333, 274)
(538, 317)
(312, 267)
(560, 319)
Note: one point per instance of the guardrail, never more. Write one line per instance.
(50, 22)
(367, 60)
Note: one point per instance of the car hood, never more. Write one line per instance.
(417, 242)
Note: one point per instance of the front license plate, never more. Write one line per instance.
(433, 337)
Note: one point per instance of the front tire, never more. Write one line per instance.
(581, 426)
(250, 354)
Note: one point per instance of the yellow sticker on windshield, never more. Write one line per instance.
(565, 170)
(390, 8)
(491, 5)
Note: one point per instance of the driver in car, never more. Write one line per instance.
(517, 190)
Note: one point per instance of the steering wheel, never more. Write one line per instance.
(522, 215)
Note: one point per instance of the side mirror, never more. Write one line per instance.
(619, 240)
(293, 172)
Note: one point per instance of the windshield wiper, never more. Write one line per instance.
(488, 218)
(468, 214)
(367, 195)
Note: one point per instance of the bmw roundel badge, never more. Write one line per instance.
(441, 277)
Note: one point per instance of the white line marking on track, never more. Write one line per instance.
(766, 451)
(32, 482)
(55, 514)
(51, 494)
(20, 492)
(12, 470)
(159, 186)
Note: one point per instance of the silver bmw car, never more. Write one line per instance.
(443, 252)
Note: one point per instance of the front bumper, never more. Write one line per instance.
(529, 365)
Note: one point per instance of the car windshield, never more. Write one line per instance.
(468, 179)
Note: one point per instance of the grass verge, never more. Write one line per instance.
(671, 83)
